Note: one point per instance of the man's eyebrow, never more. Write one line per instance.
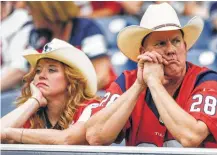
(160, 40)
(177, 37)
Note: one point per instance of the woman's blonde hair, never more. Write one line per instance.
(53, 11)
(76, 97)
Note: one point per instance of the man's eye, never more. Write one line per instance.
(175, 41)
(162, 43)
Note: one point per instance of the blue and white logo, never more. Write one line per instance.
(47, 48)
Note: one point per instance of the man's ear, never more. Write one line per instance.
(185, 45)
(141, 50)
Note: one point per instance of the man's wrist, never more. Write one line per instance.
(152, 82)
(139, 87)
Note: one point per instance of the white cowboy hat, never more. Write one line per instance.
(66, 53)
(158, 17)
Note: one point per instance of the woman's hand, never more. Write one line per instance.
(36, 93)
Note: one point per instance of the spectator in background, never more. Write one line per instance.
(57, 89)
(59, 20)
(138, 8)
(15, 30)
(196, 8)
(213, 18)
(98, 9)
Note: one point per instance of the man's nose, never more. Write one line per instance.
(170, 49)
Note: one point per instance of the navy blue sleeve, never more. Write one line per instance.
(121, 82)
(206, 76)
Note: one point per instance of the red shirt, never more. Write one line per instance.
(197, 95)
(115, 7)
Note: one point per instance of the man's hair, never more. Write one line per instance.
(143, 40)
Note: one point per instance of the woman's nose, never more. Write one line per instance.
(43, 74)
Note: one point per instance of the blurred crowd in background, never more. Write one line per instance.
(91, 26)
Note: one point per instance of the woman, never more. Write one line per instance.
(57, 19)
(61, 80)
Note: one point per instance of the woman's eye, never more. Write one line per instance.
(37, 71)
(52, 70)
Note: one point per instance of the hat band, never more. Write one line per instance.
(165, 25)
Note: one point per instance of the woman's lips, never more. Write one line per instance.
(41, 84)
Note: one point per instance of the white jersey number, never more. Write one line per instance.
(111, 99)
(210, 103)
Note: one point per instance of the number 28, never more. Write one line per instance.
(210, 103)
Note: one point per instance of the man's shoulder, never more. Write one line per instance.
(130, 73)
(127, 78)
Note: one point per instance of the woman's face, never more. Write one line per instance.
(50, 78)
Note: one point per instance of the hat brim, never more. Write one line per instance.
(129, 39)
(73, 58)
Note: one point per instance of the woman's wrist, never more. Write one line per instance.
(35, 100)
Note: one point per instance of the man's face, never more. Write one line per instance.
(171, 46)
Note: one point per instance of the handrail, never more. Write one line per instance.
(5, 148)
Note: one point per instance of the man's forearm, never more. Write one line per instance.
(107, 123)
(178, 122)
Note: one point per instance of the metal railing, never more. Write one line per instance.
(25, 149)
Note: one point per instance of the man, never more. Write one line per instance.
(166, 101)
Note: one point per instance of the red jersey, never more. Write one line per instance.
(197, 95)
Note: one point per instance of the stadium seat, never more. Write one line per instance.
(205, 37)
(206, 58)
(112, 25)
(7, 101)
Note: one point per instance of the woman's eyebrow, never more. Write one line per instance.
(53, 65)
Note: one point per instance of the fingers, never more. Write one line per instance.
(165, 60)
(32, 86)
(144, 58)
(151, 57)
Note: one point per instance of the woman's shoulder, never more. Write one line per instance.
(27, 125)
(87, 106)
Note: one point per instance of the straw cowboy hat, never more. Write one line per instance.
(64, 52)
(158, 17)
(53, 11)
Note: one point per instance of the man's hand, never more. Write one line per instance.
(153, 72)
(150, 67)
(36, 93)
